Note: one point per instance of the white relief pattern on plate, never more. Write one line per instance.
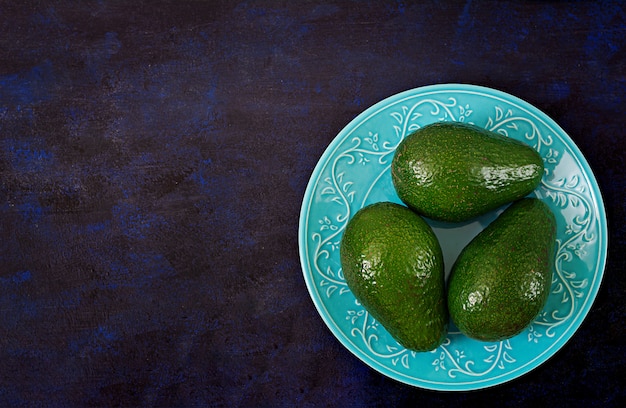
(370, 149)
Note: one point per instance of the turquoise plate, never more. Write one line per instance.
(354, 172)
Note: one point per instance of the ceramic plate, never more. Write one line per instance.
(355, 171)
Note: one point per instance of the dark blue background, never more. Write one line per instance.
(154, 156)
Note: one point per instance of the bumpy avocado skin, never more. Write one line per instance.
(393, 264)
(452, 171)
(502, 278)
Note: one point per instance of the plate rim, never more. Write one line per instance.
(599, 208)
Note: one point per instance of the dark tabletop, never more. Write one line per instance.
(153, 161)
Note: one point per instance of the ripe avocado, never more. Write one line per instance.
(451, 171)
(393, 264)
(501, 280)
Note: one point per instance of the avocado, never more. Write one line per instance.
(393, 264)
(452, 171)
(501, 280)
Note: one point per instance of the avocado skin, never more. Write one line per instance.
(501, 280)
(393, 264)
(453, 172)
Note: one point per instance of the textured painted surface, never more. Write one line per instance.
(153, 158)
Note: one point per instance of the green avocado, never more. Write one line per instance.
(501, 280)
(451, 171)
(393, 264)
